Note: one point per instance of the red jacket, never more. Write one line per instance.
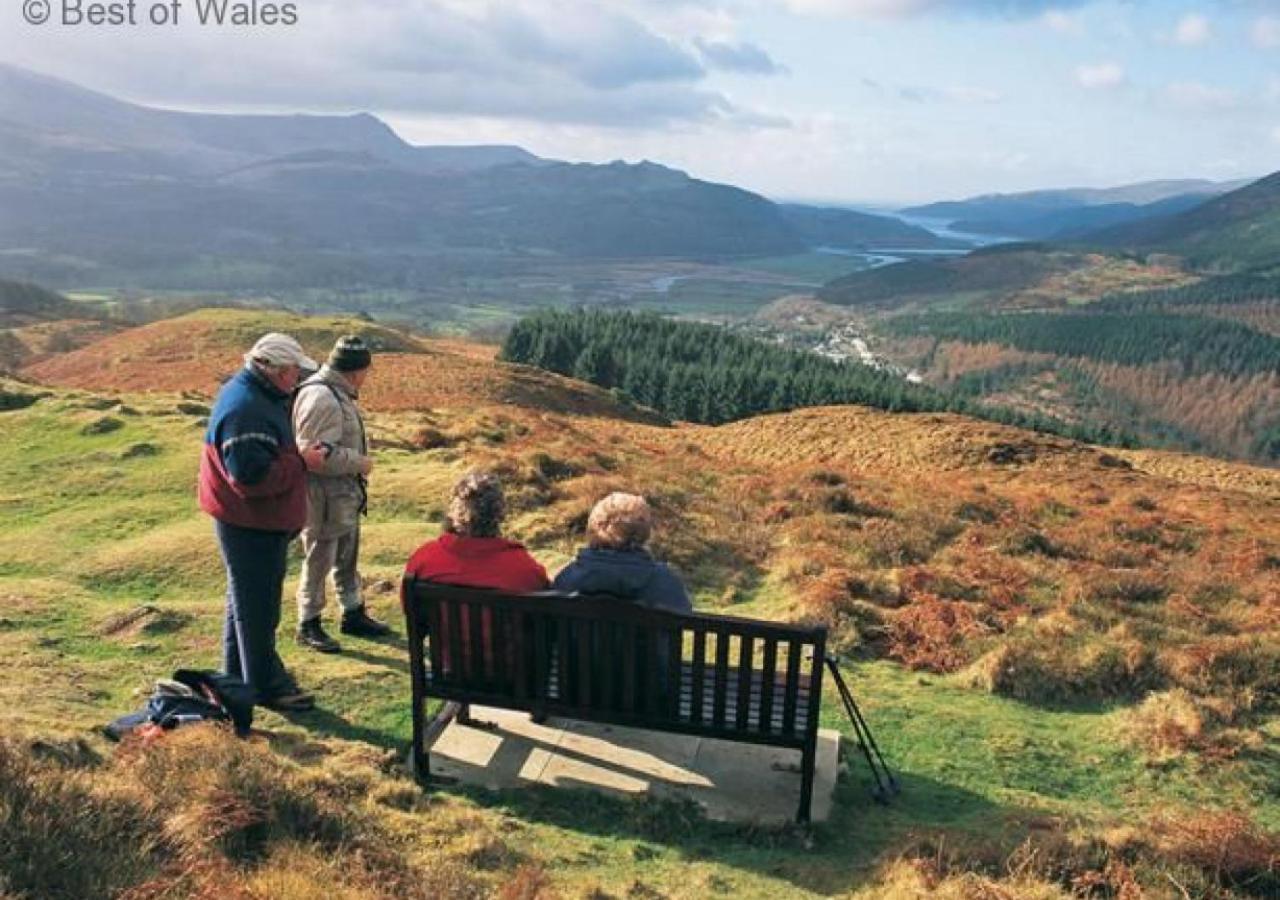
(478, 562)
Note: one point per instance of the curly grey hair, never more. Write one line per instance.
(476, 506)
(620, 522)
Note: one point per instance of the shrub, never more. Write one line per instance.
(1245, 667)
(1227, 845)
(1166, 723)
(1128, 587)
(932, 634)
(1067, 667)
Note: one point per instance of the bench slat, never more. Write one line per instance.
(563, 675)
(699, 673)
(675, 666)
(629, 668)
(609, 632)
(541, 660)
(519, 680)
(791, 689)
(722, 678)
(476, 648)
(453, 625)
(744, 683)
(587, 663)
(768, 678)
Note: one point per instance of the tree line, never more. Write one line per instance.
(1227, 290)
(1196, 344)
(703, 373)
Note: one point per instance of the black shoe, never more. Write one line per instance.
(292, 700)
(311, 634)
(358, 623)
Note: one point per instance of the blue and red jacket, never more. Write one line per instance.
(251, 474)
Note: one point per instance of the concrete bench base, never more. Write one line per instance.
(731, 781)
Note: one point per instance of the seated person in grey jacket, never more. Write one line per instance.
(615, 562)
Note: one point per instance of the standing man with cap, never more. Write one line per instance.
(325, 415)
(253, 481)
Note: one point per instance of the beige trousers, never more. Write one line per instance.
(322, 557)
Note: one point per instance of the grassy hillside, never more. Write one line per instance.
(1070, 656)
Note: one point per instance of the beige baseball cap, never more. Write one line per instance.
(278, 349)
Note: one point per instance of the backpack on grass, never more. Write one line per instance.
(191, 696)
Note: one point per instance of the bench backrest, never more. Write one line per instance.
(605, 659)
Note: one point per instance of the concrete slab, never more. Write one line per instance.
(731, 781)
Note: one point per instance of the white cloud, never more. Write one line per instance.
(1100, 76)
(1063, 22)
(562, 61)
(1266, 32)
(861, 8)
(956, 93)
(1192, 30)
(902, 8)
(966, 94)
(1198, 96)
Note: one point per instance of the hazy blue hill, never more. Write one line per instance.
(1235, 232)
(1043, 214)
(850, 229)
(1076, 221)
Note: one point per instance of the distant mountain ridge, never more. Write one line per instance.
(79, 124)
(1238, 231)
(98, 190)
(1039, 215)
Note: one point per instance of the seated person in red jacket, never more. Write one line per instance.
(471, 553)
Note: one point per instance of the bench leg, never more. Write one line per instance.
(464, 718)
(428, 732)
(808, 764)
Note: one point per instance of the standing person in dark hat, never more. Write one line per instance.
(253, 482)
(325, 415)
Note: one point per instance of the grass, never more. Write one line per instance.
(866, 522)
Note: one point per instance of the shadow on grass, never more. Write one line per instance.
(327, 723)
(833, 857)
(398, 662)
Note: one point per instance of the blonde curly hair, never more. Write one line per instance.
(620, 522)
(476, 506)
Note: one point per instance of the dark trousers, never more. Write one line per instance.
(256, 563)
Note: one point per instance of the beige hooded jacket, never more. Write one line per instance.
(325, 410)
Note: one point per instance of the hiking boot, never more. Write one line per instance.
(292, 700)
(357, 622)
(312, 634)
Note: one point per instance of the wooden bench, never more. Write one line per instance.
(612, 661)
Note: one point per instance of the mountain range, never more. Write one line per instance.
(1041, 215)
(98, 190)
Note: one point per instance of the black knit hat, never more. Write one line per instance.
(350, 354)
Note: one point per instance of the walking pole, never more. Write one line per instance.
(865, 739)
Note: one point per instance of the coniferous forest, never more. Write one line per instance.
(703, 373)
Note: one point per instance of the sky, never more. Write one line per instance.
(876, 102)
